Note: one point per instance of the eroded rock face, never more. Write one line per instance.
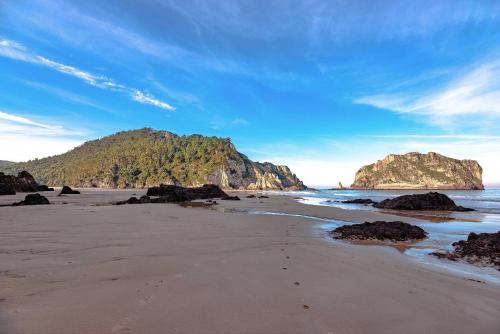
(146, 157)
(482, 249)
(68, 191)
(420, 171)
(379, 230)
(432, 201)
(23, 182)
(33, 199)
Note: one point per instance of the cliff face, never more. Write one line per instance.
(420, 171)
(143, 158)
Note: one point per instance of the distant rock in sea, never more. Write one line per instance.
(432, 201)
(145, 157)
(420, 171)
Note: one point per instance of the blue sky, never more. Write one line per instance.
(322, 86)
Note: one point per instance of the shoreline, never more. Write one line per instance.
(152, 268)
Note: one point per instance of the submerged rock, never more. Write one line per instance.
(379, 230)
(33, 199)
(432, 201)
(360, 201)
(173, 193)
(68, 191)
(482, 249)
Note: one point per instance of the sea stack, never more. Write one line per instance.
(420, 171)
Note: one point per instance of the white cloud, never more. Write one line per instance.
(473, 94)
(22, 138)
(146, 99)
(14, 50)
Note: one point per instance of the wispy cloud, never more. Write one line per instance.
(15, 124)
(14, 50)
(476, 92)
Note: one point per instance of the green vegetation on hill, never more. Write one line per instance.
(141, 158)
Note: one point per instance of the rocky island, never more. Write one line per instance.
(420, 171)
(145, 157)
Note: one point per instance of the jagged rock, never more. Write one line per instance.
(360, 201)
(68, 191)
(420, 171)
(483, 249)
(432, 201)
(173, 193)
(23, 182)
(33, 199)
(379, 230)
(230, 198)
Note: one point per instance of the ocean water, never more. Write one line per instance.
(443, 228)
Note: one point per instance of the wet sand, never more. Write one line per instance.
(162, 268)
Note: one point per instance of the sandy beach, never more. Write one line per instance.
(79, 267)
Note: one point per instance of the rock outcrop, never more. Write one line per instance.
(175, 194)
(379, 230)
(23, 182)
(429, 202)
(482, 249)
(33, 199)
(144, 158)
(68, 191)
(420, 171)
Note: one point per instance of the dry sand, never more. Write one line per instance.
(160, 268)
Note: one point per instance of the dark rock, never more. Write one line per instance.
(263, 196)
(230, 198)
(379, 230)
(23, 182)
(432, 201)
(483, 249)
(43, 187)
(68, 191)
(360, 201)
(7, 189)
(172, 193)
(135, 200)
(33, 199)
(251, 196)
